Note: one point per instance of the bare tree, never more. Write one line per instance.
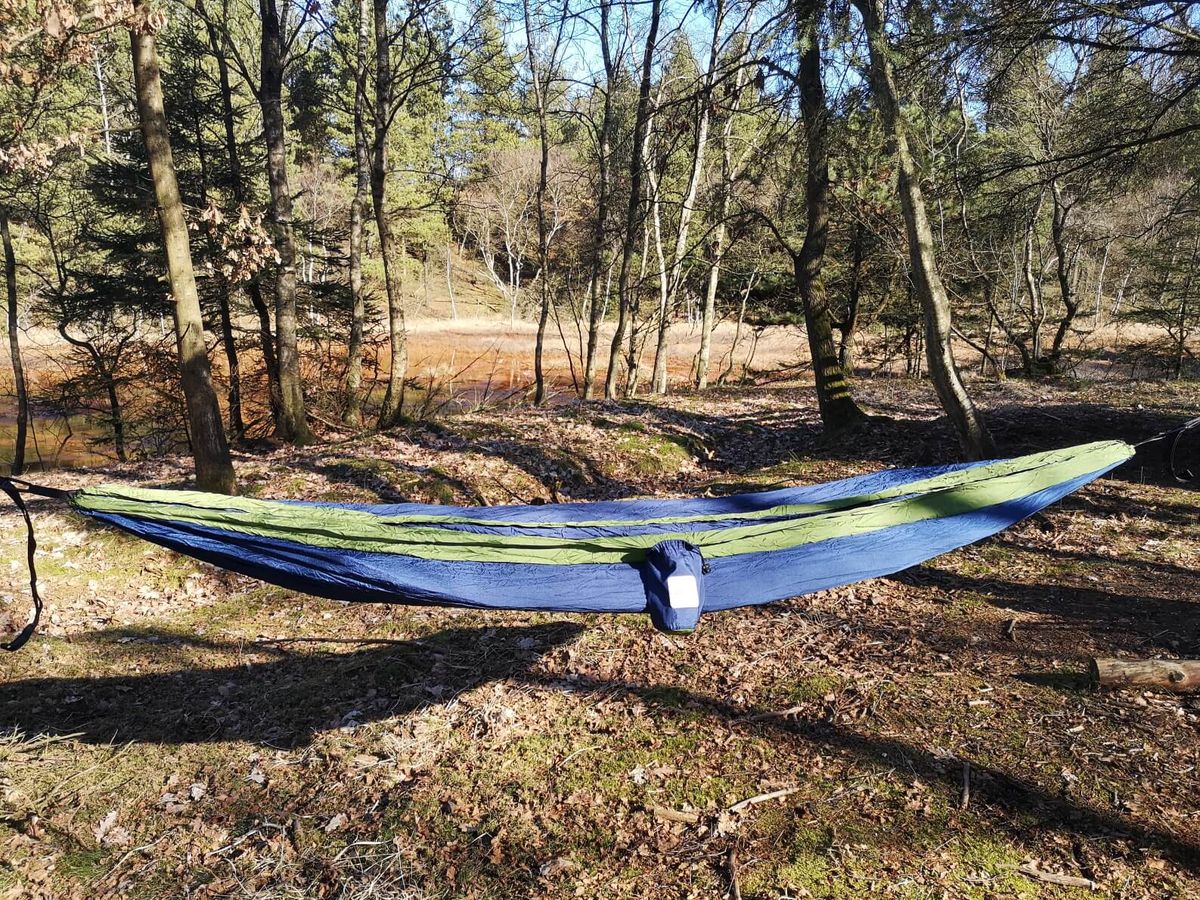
(291, 424)
(968, 423)
(635, 211)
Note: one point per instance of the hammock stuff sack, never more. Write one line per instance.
(672, 559)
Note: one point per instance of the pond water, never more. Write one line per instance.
(52, 442)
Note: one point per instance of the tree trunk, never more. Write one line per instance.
(291, 424)
(1058, 234)
(214, 470)
(14, 345)
(675, 277)
(233, 399)
(849, 326)
(834, 398)
(968, 423)
(708, 314)
(241, 195)
(362, 186)
(1037, 308)
(596, 308)
(539, 96)
(633, 213)
(393, 256)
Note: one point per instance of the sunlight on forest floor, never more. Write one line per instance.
(180, 731)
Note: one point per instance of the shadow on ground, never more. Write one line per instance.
(282, 702)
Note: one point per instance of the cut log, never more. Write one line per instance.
(1179, 675)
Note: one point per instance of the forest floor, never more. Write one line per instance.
(178, 731)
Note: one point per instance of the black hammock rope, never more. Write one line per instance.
(14, 488)
(1169, 459)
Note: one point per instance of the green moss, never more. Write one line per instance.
(814, 687)
(997, 862)
(650, 454)
(83, 865)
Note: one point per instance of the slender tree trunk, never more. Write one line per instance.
(14, 345)
(241, 195)
(849, 327)
(393, 254)
(1070, 299)
(1181, 319)
(1033, 287)
(450, 281)
(968, 423)
(214, 470)
(291, 424)
(266, 339)
(708, 314)
(834, 397)
(596, 306)
(116, 416)
(543, 249)
(633, 213)
(233, 401)
(362, 187)
(687, 207)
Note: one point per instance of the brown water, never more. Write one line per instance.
(52, 443)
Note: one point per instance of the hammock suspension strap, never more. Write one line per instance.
(14, 488)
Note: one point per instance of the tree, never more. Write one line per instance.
(214, 469)
(14, 345)
(834, 397)
(635, 210)
(968, 423)
(291, 423)
(362, 187)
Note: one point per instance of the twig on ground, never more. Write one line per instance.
(762, 798)
(1054, 878)
(675, 815)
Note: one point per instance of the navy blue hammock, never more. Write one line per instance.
(672, 559)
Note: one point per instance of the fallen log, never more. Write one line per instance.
(1179, 675)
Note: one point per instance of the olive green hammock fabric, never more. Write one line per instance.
(502, 535)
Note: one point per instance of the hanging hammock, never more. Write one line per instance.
(673, 559)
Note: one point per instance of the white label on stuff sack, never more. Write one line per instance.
(683, 592)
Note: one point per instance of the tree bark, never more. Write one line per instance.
(687, 207)
(717, 247)
(1070, 300)
(233, 399)
(597, 308)
(392, 410)
(1179, 675)
(214, 470)
(240, 193)
(633, 213)
(14, 345)
(834, 397)
(849, 326)
(291, 424)
(539, 96)
(968, 423)
(362, 186)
